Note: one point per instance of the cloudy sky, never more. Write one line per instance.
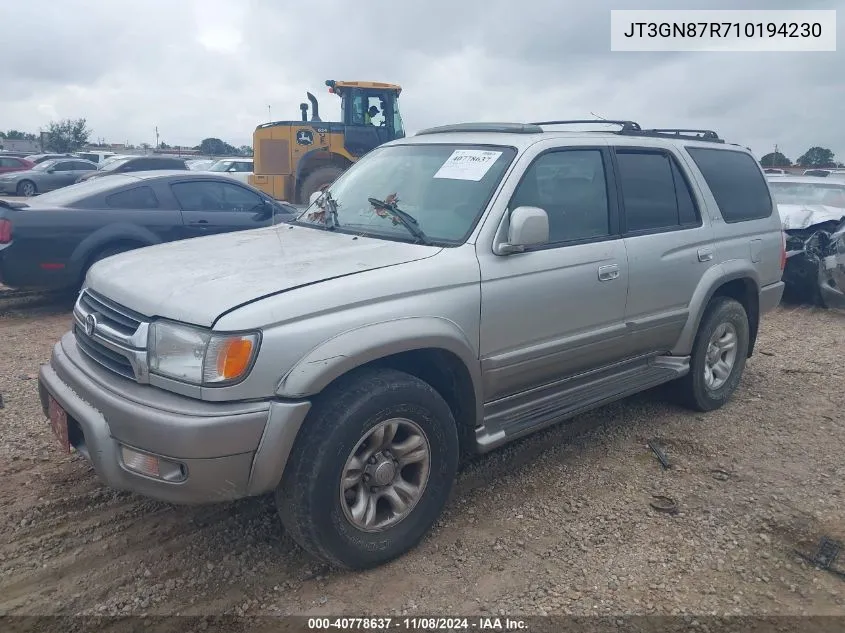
(198, 68)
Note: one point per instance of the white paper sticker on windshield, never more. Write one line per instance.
(467, 164)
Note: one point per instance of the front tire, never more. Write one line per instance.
(371, 470)
(718, 356)
(26, 188)
(318, 179)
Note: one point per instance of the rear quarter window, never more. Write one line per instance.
(136, 198)
(737, 184)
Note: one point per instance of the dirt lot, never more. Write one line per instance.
(559, 523)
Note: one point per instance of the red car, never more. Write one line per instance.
(13, 163)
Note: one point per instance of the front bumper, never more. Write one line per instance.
(227, 450)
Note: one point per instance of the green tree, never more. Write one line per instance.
(816, 157)
(245, 150)
(164, 145)
(17, 135)
(67, 135)
(215, 147)
(775, 159)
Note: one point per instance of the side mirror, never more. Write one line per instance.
(231, 169)
(52, 170)
(529, 226)
(314, 197)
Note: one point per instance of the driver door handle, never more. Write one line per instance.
(609, 272)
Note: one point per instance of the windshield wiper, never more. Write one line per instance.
(332, 204)
(407, 220)
(328, 200)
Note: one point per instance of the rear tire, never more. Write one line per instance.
(718, 356)
(318, 179)
(356, 498)
(26, 188)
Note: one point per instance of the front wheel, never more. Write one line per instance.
(371, 470)
(317, 180)
(26, 188)
(718, 356)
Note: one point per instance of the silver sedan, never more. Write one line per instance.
(45, 176)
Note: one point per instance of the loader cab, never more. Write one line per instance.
(370, 114)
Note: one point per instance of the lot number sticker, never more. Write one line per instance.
(467, 164)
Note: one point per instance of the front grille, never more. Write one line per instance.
(101, 354)
(119, 338)
(117, 317)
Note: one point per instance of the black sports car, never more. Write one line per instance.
(51, 240)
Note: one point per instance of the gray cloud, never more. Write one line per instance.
(198, 68)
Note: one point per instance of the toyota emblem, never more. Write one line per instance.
(90, 324)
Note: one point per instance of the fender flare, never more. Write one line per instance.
(110, 234)
(359, 346)
(713, 279)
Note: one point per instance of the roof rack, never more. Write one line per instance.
(626, 128)
(512, 128)
(687, 134)
(625, 125)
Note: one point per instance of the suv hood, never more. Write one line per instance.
(197, 280)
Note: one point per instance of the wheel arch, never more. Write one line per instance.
(314, 160)
(735, 280)
(433, 349)
(110, 237)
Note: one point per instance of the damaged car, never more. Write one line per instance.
(812, 210)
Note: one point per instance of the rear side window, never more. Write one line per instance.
(135, 198)
(736, 182)
(654, 192)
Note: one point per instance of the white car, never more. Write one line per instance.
(200, 164)
(96, 157)
(237, 168)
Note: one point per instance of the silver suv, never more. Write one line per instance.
(447, 294)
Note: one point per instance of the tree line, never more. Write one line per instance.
(818, 157)
(71, 135)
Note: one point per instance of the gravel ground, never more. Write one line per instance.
(559, 523)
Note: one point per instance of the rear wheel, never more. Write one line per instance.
(718, 356)
(371, 469)
(318, 179)
(26, 188)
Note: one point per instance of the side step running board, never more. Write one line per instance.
(524, 413)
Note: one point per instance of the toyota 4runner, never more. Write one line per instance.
(447, 294)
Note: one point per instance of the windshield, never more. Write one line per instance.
(444, 188)
(67, 196)
(45, 165)
(828, 194)
(221, 165)
(114, 164)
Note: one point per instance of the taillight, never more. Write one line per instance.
(782, 251)
(5, 231)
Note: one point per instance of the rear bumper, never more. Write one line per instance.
(770, 296)
(225, 450)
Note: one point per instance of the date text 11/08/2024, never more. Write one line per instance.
(417, 624)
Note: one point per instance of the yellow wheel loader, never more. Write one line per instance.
(293, 159)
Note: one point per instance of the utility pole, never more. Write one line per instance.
(269, 115)
(156, 147)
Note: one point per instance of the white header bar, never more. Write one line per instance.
(732, 31)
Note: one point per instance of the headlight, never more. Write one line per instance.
(199, 356)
